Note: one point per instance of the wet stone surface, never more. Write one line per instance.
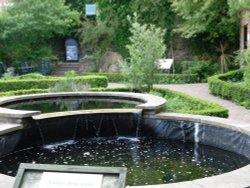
(149, 161)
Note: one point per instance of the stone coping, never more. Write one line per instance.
(235, 179)
(9, 127)
(147, 102)
(85, 112)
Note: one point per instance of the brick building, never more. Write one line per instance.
(245, 29)
(3, 4)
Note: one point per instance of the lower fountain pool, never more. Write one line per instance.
(149, 161)
(157, 148)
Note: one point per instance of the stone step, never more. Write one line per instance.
(61, 68)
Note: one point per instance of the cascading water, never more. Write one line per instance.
(138, 117)
(196, 141)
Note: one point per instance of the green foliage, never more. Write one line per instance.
(26, 27)
(211, 17)
(7, 76)
(96, 36)
(180, 103)
(227, 86)
(23, 92)
(207, 24)
(70, 74)
(114, 13)
(160, 78)
(112, 77)
(177, 78)
(147, 46)
(31, 76)
(203, 69)
(157, 12)
(68, 85)
(12, 85)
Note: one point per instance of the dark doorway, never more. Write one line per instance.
(245, 36)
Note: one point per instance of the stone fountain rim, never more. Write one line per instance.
(149, 102)
(238, 178)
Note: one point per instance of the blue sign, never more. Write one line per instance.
(90, 9)
(71, 50)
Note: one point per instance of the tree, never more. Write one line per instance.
(96, 36)
(147, 46)
(27, 26)
(157, 12)
(114, 14)
(208, 17)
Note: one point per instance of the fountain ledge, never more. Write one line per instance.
(236, 179)
(150, 104)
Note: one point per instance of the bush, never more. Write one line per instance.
(161, 78)
(226, 86)
(177, 78)
(145, 48)
(203, 69)
(12, 85)
(112, 77)
(31, 76)
(181, 103)
(23, 92)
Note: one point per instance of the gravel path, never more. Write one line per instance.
(236, 112)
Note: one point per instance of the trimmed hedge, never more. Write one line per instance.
(177, 78)
(12, 85)
(192, 105)
(187, 103)
(112, 77)
(23, 92)
(162, 78)
(226, 86)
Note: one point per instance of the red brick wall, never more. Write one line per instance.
(245, 21)
(2, 4)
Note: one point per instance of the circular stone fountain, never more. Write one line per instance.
(144, 134)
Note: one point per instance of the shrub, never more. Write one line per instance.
(177, 78)
(11, 85)
(226, 86)
(23, 92)
(203, 69)
(112, 77)
(161, 78)
(145, 48)
(182, 103)
(31, 76)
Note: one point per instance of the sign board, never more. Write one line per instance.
(165, 63)
(90, 9)
(71, 50)
(67, 176)
(70, 180)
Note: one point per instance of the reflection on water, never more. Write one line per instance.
(149, 161)
(59, 105)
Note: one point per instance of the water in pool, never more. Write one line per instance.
(149, 161)
(69, 104)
